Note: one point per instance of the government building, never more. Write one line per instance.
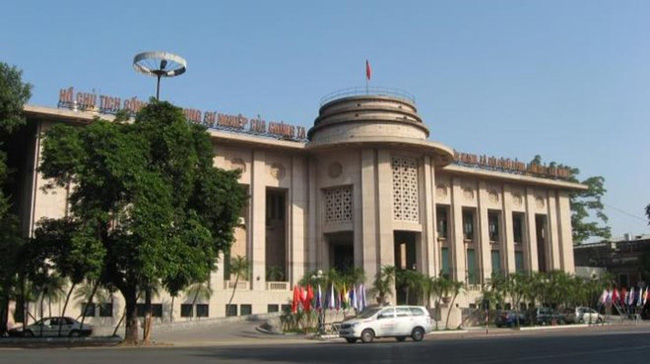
(363, 187)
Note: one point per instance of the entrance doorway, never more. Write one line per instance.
(405, 266)
(341, 251)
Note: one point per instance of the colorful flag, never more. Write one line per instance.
(353, 298)
(319, 299)
(309, 296)
(368, 70)
(361, 300)
(332, 301)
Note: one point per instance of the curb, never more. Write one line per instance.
(54, 342)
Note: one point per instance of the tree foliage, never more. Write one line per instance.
(146, 198)
(14, 93)
(588, 218)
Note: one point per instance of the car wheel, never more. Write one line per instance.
(581, 321)
(418, 334)
(351, 340)
(75, 333)
(367, 336)
(599, 320)
(400, 338)
(28, 333)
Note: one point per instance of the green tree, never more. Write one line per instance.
(68, 247)
(585, 206)
(14, 93)
(412, 282)
(147, 195)
(239, 266)
(454, 288)
(384, 283)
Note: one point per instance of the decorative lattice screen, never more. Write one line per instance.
(338, 204)
(405, 189)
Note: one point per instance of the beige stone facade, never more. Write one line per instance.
(368, 189)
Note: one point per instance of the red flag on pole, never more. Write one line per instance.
(368, 70)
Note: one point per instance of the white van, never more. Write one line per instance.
(391, 321)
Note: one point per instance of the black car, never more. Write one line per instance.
(509, 319)
(546, 316)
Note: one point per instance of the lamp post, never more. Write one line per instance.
(159, 64)
(321, 314)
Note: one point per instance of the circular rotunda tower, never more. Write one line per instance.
(373, 173)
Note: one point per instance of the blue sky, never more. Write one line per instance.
(568, 80)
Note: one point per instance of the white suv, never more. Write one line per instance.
(392, 321)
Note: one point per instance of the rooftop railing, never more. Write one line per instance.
(368, 91)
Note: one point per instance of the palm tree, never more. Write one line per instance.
(411, 281)
(199, 291)
(239, 266)
(383, 284)
(87, 292)
(53, 290)
(455, 287)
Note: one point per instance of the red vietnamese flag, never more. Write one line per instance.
(368, 70)
(308, 298)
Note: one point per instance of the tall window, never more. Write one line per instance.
(496, 262)
(518, 227)
(443, 222)
(472, 276)
(444, 257)
(468, 225)
(519, 261)
(493, 227)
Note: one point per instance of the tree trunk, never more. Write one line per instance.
(131, 330)
(438, 312)
(449, 312)
(233, 293)
(119, 322)
(65, 306)
(90, 302)
(49, 306)
(42, 309)
(25, 308)
(146, 331)
(171, 310)
(4, 314)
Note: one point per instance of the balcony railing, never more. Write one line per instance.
(277, 286)
(240, 285)
(368, 91)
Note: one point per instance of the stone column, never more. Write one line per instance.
(530, 253)
(312, 232)
(457, 243)
(508, 243)
(483, 243)
(564, 229)
(552, 231)
(297, 208)
(428, 239)
(258, 224)
(385, 208)
(368, 217)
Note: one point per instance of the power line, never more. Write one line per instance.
(626, 213)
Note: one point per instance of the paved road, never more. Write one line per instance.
(594, 345)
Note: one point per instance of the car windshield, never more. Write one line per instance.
(368, 313)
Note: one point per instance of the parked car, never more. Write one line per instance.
(49, 326)
(399, 322)
(580, 315)
(509, 319)
(546, 316)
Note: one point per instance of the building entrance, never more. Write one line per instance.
(405, 264)
(341, 249)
